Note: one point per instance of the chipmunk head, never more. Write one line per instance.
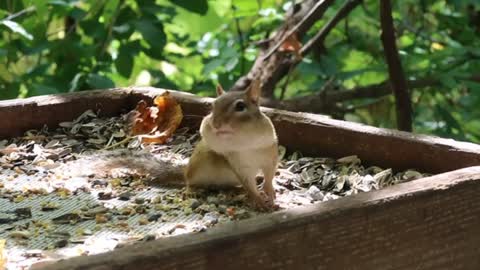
(236, 111)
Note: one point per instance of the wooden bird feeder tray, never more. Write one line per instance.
(430, 223)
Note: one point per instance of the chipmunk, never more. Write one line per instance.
(237, 142)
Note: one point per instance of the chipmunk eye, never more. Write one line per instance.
(240, 106)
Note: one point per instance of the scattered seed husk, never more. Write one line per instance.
(69, 218)
(125, 196)
(143, 220)
(139, 200)
(61, 243)
(149, 237)
(101, 218)
(20, 234)
(49, 153)
(49, 206)
(154, 217)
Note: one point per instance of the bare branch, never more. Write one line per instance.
(398, 83)
(318, 9)
(277, 66)
(20, 13)
(319, 38)
(301, 18)
(325, 101)
(241, 41)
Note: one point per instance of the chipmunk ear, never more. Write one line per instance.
(254, 91)
(220, 90)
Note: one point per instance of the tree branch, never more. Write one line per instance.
(319, 38)
(325, 101)
(398, 83)
(240, 39)
(20, 13)
(277, 66)
(301, 17)
(319, 8)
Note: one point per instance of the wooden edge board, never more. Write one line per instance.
(308, 133)
(20, 115)
(321, 136)
(423, 218)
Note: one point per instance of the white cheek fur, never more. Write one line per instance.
(240, 140)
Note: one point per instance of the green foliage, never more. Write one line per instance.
(53, 46)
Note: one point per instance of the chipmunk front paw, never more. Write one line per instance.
(264, 203)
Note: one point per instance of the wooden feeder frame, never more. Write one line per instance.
(430, 223)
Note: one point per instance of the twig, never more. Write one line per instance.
(319, 38)
(285, 85)
(274, 69)
(319, 6)
(323, 101)
(259, 3)
(347, 30)
(20, 13)
(128, 138)
(240, 37)
(398, 83)
(9, 5)
(366, 11)
(108, 38)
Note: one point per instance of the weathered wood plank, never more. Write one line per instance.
(20, 115)
(321, 136)
(431, 224)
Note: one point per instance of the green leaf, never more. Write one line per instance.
(99, 82)
(78, 14)
(5, 75)
(474, 87)
(194, 25)
(149, 9)
(154, 36)
(222, 8)
(41, 89)
(125, 15)
(59, 3)
(17, 28)
(39, 70)
(124, 62)
(448, 118)
(212, 66)
(231, 63)
(152, 32)
(197, 6)
(449, 81)
(245, 8)
(9, 90)
(41, 8)
(76, 82)
(109, 10)
(94, 29)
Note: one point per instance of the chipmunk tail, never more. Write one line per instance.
(125, 163)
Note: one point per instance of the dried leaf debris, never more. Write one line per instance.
(157, 123)
(47, 212)
(292, 44)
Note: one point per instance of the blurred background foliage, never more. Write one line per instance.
(54, 46)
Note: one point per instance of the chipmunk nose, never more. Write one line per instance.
(216, 124)
(220, 126)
